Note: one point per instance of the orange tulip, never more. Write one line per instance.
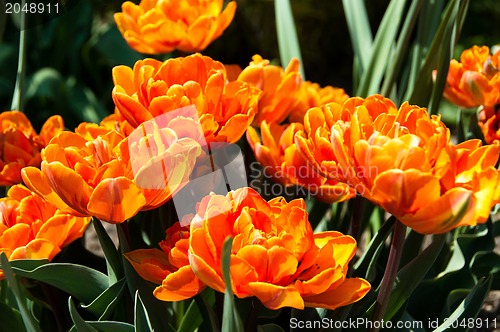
(32, 228)
(312, 95)
(20, 145)
(168, 267)
(153, 88)
(470, 82)
(280, 88)
(275, 255)
(96, 177)
(162, 26)
(489, 122)
(403, 161)
(280, 160)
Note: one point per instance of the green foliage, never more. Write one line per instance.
(394, 48)
(231, 320)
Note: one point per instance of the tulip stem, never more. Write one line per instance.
(398, 240)
(18, 98)
(357, 217)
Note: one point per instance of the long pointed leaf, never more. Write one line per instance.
(79, 281)
(359, 30)
(469, 307)
(443, 62)
(231, 321)
(384, 40)
(141, 317)
(288, 41)
(113, 259)
(28, 319)
(103, 305)
(423, 85)
(80, 324)
(403, 40)
(410, 276)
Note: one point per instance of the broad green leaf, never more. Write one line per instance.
(80, 324)
(103, 306)
(360, 32)
(29, 321)
(141, 317)
(79, 281)
(231, 321)
(384, 40)
(288, 42)
(11, 319)
(409, 277)
(113, 258)
(159, 311)
(469, 307)
(200, 311)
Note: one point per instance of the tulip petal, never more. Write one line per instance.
(275, 297)
(151, 264)
(351, 290)
(115, 200)
(180, 285)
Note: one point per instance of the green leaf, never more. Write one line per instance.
(443, 62)
(423, 84)
(105, 303)
(360, 32)
(470, 306)
(159, 313)
(108, 326)
(396, 61)
(200, 311)
(428, 24)
(384, 40)
(231, 320)
(113, 258)
(361, 267)
(28, 319)
(79, 281)
(11, 319)
(80, 324)
(288, 42)
(409, 277)
(141, 317)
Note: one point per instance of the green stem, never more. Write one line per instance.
(398, 240)
(18, 98)
(357, 217)
(179, 311)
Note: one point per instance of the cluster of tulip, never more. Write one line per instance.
(399, 158)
